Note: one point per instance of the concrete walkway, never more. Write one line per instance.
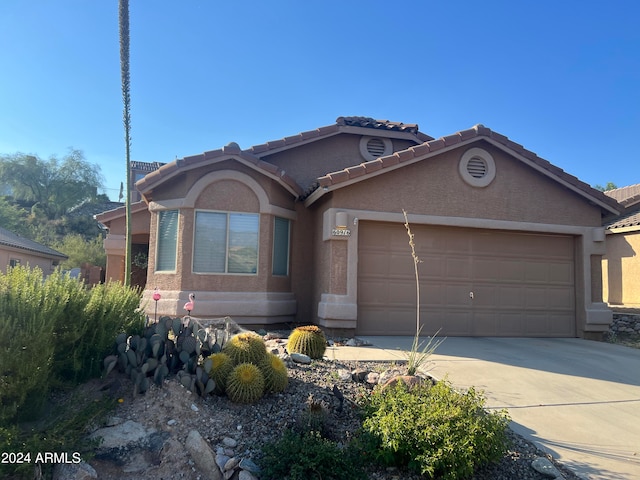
(577, 399)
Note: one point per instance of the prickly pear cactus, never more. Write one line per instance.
(245, 384)
(308, 340)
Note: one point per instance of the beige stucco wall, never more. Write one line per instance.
(308, 162)
(433, 192)
(621, 269)
(435, 187)
(46, 264)
(249, 298)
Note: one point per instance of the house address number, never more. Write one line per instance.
(340, 232)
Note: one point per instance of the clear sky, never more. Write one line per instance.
(562, 78)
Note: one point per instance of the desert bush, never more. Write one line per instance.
(29, 309)
(435, 430)
(309, 456)
(55, 332)
(110, 309)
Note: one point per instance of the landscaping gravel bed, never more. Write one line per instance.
(239, 431)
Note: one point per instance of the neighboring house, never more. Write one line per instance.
(621, 264)
(310, 229)
(138, 171)
(17, 250)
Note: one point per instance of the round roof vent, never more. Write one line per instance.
(477, 167)
(375, 147)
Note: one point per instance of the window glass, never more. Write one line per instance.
(226, 242)
(167, 240)
(281, 246)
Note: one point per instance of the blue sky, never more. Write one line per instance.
(560, 78)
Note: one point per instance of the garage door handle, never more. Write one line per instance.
(471, 295)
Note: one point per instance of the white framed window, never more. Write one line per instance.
(167, 242)
(226, 242)
(281, 236)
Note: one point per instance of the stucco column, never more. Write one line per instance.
(338, 306)
(114, 246)
(598, 315)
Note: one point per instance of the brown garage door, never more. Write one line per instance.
(473, 282)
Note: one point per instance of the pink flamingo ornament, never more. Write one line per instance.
(156, 297)
(189, 305)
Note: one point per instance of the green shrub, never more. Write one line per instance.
(111, 308)
(435, 430)
(55, 332)
(29, 309)
(308, 456)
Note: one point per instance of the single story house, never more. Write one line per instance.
(310, 229)
(17, 250)
(621, 264)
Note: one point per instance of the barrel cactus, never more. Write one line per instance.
(308, 340)
(246, 347)
(275, 374)
(245, 383)
(221, 366)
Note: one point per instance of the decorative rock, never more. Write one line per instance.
(113, 421)
(231, 464)
(194, 408)
(248, 466)
(229, 442)
(388, 375)
(359, 374)
(301, 358)
(172, 422)
(545, 467)
(344, 375)
(121, 435)
(202, 455)
(352, 342)
(409, 380)
(221, 460)
(372, 378)
(246, 475)
(71, 471)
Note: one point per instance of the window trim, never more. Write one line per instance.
(226, 257)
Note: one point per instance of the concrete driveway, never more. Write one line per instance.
(577, 399)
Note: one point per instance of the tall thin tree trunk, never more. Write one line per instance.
(123, 20)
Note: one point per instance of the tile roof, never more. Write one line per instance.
(145, 166)
(628, 219)
(14, 240)
(253, 155)
(425, 150)
(625, 195)
(628, 197)
(187, 163)
(342, 124)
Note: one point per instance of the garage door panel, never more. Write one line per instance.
(523, 284)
